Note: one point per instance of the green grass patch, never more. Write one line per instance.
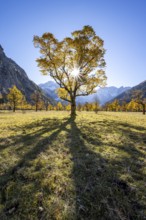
(53, 167)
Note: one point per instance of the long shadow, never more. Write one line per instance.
(127, 144)
(13, 173)
(42, 126)
(41, 146)
(132, 141)
(100, 193)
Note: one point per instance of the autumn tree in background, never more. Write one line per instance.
(68, 107)
(123, 106)
(37, 99)
(106, 107)
(138, 97)
(15, 97)
(41, 105)
(76, 63)
(79, 107)
(87, 106)
(59, 106)
(96, 104)
(46, 104)
(133, 106)
(115, 105)
(50, 107)
(1, 99)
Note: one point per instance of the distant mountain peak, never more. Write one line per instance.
(50, 88)
(103, 94)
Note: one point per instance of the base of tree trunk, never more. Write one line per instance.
(72, 115)
(73, 110)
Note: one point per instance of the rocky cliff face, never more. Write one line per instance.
(11, 74)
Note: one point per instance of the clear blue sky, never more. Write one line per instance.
(120, 23)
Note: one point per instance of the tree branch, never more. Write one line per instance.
(65, 99)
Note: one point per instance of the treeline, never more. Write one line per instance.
(137, 103)
(16, 100)
(115, 106)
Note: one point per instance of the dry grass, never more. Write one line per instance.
(53, 167)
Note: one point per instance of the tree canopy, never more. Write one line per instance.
(139, 97)
(37, 99)
(76, 63)
(15, 97)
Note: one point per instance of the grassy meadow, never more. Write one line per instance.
(56, 168)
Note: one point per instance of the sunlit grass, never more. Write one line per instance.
(52, 167)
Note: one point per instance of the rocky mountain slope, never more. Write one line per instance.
(11, 74)
(127, 95)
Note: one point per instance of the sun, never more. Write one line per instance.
(75, 73)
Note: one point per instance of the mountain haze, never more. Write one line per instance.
(103, 94)
(50, 89)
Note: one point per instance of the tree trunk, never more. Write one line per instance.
(14, 108)
(36, 107)
(73, 108)
(143, 109)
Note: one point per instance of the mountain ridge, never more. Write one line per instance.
(12, 74)
(103, 94)
(127, 95)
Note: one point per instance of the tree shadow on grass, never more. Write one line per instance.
(39, 147)
(19, 176)
(99, 191)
